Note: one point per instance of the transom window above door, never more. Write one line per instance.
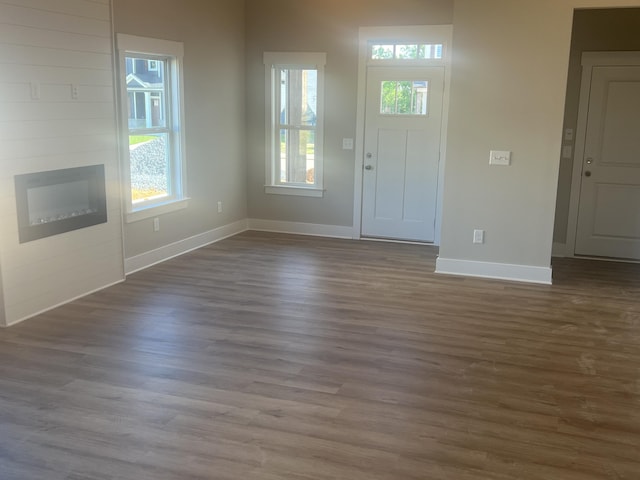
(406, 51)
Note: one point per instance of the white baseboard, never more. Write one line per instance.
(559, 250)
(500, 271)
(313, 229)
(45, 310)
(159, 255)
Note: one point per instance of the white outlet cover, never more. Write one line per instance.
(347, 143)
(500, 157)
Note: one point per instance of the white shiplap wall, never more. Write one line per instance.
(46, 46)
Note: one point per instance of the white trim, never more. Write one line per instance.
(173, 54)
(293, 60)
(499, 271)
(420, 33)
(292, 190)
(45, 310)
(155, 210)
(298, 228)
(3, 317)
(589, 60)
(559, 250)
(136, 44)
(162, 254)
(592, 59)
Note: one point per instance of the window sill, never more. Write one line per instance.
(297, 191)
(155, 210)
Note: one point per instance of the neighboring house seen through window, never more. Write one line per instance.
(294, 122)
(153, 126)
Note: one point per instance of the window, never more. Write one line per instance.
(408, 97)
(294, 123)
(152, 125)
(422, 51)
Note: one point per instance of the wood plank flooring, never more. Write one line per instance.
(273, 357)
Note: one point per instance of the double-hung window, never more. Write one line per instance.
(294, 123)
(152, 125)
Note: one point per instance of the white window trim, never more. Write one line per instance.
(310, 60)
(132, 44)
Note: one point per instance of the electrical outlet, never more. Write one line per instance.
(75, 92)
(478, 236)
(219, 207)
(156, 224)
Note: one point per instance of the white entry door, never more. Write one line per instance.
(609, 210)
(403, 124)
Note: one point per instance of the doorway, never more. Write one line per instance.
(595, 212)
(402, 152)
(402, 112)
(607, 166)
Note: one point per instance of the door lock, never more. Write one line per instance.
(587, 173)
(369, 154)
(368, 167)
(589, 161)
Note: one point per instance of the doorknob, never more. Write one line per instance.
(368, 167)
(369, 154)
(587, 173)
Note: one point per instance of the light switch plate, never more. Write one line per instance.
(568, 135)
(500, 157)
(347, 143)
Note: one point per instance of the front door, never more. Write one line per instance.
(403, 124)
(609, 211)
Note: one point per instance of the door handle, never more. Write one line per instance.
(369, 154)
(368, 167)
(587, 173)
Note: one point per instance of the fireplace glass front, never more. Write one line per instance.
(58, 201)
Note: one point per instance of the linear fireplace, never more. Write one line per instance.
(59, 201)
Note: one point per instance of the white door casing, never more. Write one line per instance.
(402, 153)
(605, 210)
(429, 34)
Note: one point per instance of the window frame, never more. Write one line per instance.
(172, 53)
(292, 60)
(441, 46)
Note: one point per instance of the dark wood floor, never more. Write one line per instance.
(278, 357)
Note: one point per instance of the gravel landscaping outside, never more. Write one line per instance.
(149, 166)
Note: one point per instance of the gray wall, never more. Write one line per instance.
(509, 80)
(329, 26)
(594, 30)
(213, 37)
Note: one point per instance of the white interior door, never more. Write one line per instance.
(403, 123)
(609, 211)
